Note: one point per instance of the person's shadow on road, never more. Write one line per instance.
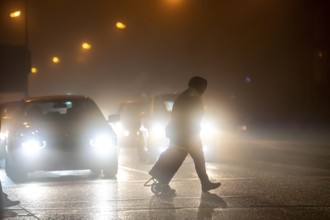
(209, 202)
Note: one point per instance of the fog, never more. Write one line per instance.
(256, 55)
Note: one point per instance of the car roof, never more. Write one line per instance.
(55, 98)
(128, 102)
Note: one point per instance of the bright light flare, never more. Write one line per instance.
(119, 128)
(102, 144)
(56, 59)
(3, 135)
(15, 14)
(205, 149)
(208, 128)
(33, 146)
(126, 133)
(120, 25)
(158, 130)
(86, 46)
(34, 70)
(162, 149)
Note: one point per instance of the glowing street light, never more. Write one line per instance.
(15, 14)
(86, 46)
(120, 25)
(34, 70)
(56, 59)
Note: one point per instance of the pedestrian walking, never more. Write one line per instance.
(183, 132)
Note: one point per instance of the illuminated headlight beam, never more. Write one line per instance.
(208, 129)
(3, 136)
(119, 128)
(33, 146)
(158, 130)
(102, 144)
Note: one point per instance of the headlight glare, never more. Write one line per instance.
(32, 146)
(126, 133)
(118, 127)
(158, 130)
(102, 143)
(208, 129)
(3, 136)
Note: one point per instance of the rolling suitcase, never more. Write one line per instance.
(164, 169)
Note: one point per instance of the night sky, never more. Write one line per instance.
(253, 52)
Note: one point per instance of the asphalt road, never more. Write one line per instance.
(251, 189)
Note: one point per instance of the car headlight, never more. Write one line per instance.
(3, 135)
(126, 133)
(208, 128)
(118, 127)
(162, 149)
(102, 143)
(32, 146)
(205, 149)
(158, 130)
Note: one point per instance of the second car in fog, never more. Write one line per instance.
(155, 120)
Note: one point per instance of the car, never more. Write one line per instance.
(60, 132)
(153, 123)
(127, 122)
(153, 126)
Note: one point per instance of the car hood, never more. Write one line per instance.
(63, 128)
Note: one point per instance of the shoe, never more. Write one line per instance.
(166, 190)
(209, 186)
(8, 203)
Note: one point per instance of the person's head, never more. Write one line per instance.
(198, 83)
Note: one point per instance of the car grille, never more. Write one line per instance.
(65, 142)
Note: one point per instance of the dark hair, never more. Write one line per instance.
(198, 83)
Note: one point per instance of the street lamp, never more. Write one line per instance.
(86, 46)
(34, 70)
(15, 14)
(55, 59)
(120, 25)
(18, 13)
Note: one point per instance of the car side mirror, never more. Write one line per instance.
(114, 118)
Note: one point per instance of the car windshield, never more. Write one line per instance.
(132, 109)
(61, 110)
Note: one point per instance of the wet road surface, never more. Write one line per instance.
(251, 189)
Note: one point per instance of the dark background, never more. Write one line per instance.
(266, 61)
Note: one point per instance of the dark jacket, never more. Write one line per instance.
(187, 113)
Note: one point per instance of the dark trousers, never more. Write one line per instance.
(194, 148)
(168, 164)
